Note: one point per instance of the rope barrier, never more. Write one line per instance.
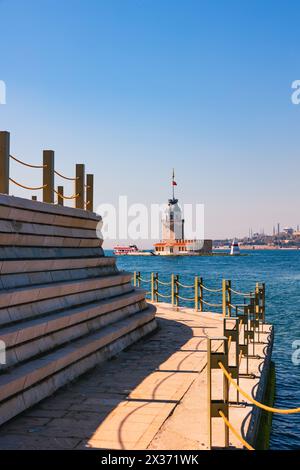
(144, 280)
(163, 283)
(252, 400)
(185, 285)
(27, 187)
(210, 290)
(188, 299)
(211, 305)
(65, 177)
(87, 203)
(27, 164)
(234, 431)
(244, 294)
(165, 296)
(66, 197)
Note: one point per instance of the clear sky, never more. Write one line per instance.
(135, 87)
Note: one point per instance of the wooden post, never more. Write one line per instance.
(89, 192)
(134, 278)
(156, 287)
(209, 395)
(4, 161)
(263, 286)
(213, 405)
(229, 297)
(173, 290)
(48, 176)
(196, 288)
(201, 293)
(224, 297)
(60, 191)
(139, 279)
(79, 186)
(177, 290)
(152, 287)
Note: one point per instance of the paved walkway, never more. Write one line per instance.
(132, 401)
(123, 403)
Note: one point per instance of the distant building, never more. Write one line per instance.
(173, 239)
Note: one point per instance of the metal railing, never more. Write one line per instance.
(83, 184)
(244, 330)
(198, 295)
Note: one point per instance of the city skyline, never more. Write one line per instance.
(204, 87)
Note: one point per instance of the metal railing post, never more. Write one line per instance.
(177, 290)
(48, 176)
(90, 192)
(152, 287)
(201, 294)
(215, 406)
(4, 161)
(196, 289)
(209, 395)
(156, 287)
(173, 289)
(79, 186)
(229, 297)
(224, 297)
(60, 192)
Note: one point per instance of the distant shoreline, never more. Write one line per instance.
(259, 247)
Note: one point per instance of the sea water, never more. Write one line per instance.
(280, 270)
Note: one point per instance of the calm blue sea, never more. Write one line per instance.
(280, 270)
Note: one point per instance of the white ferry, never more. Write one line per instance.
(125, 250)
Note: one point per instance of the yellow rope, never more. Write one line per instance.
(188, 299)
(163, 283)
(245, 294)
(27, 164)
(211, 305)
(66, 197)
(255, 402)
(164, 296)
(234, 431)
(27, 187)
(87, 203)
(65, 177)
(185, 285)
(210, 290)
(144, 280)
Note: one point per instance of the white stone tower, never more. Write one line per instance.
(172, 222)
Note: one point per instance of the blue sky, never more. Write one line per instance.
(135, 87)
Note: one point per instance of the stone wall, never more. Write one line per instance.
(64, 306)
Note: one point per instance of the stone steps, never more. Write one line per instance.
(22, 295)
(14, 281)
(28, 338)
(63, 305)
(33, 265)
(41, 378)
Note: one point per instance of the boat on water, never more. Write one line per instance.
(234, 248)
(125, 249)
(130, 250)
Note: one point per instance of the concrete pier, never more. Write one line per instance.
(151, 396)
